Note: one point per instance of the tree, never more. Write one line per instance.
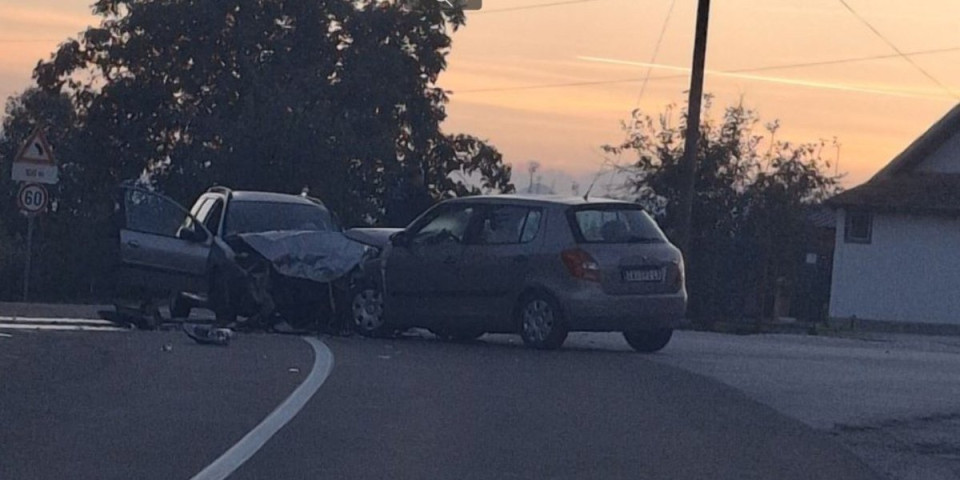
(332, 95)
(336, 96)
(753, 193)
(67, 245)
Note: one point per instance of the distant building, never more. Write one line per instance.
(897, 255)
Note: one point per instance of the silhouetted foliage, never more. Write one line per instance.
(332, 95)
(753, 197)
(67, 244)
(336, 96)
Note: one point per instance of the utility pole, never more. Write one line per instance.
(689, 164)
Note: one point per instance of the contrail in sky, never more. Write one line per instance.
(763, 78)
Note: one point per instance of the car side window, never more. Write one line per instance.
(504, 224)
(449, 225)
(154, 214)
(531, 226)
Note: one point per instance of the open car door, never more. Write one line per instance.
(163, 248)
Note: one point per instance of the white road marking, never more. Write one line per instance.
(81, 328)
(233, 458)
(72, 321)
(63, 324)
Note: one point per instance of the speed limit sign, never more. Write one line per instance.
(32, 198)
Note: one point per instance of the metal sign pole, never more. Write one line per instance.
(26, 268)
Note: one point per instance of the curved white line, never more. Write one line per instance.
(248, 445)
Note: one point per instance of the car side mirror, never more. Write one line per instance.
(400, 239)
(192, 234)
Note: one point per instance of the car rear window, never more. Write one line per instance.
(614, 224)
(258, 217)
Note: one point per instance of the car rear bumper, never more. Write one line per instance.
(593, 310)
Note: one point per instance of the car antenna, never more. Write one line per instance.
(594, 182)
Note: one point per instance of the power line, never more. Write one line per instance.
(656, 51)
(740, 70)
(541, 86)
(895, 49)
(643, 88)
(531, 7)
(847, 60)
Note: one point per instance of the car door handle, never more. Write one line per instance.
(133, 244)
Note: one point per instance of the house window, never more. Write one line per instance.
(859, 227)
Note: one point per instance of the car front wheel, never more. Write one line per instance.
(541, 323)
(221, 300)
(648, 341)
(179, 308)
(366, 307)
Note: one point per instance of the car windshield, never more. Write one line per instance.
(616, 225)
(258, 217)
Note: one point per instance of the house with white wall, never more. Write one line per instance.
(897, 252)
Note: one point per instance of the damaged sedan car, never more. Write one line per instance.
(266, 257)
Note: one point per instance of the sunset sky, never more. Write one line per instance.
(509, 66)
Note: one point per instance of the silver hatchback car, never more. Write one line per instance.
(540, 266)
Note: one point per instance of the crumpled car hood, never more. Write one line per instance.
(377, 237)
(318, 256)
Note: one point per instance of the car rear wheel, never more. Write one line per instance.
(648, 341)
(179, 307)
(150, 317)
(541, 323)
(366, 307)
(221, 301)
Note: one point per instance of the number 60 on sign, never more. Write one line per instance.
(32, 198)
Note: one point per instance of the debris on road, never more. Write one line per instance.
(166, 347)
(293, 370)
(207, 335)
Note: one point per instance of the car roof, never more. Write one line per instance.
(271, 197)
(532, 199)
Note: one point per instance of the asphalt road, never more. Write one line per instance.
(120, 405)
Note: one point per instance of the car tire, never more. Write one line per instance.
(541, 322)
(220, 301)
(366, 311)
(648, 341)
(179, 307)
(150, 317)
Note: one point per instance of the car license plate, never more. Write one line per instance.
(643, 275)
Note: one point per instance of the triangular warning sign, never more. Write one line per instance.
(36, 150)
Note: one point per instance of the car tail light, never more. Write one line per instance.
(581, 265)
